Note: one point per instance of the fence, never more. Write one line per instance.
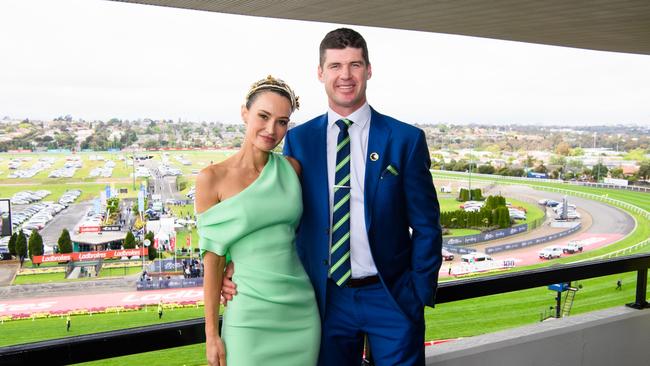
(129, 341)
(575, 183)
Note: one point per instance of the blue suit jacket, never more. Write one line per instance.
(408, 264)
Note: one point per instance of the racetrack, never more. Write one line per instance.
(601, 225)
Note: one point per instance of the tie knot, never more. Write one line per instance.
(344, 124)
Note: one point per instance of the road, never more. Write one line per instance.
(601, 225)
(67, 219)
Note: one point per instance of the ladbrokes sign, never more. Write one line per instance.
(87, 256)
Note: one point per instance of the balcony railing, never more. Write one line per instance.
(129, 341)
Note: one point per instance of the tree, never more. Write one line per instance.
(541, 168)
(153, 253)
(617, 173)
(562, 149)
(12, 244)
(35, 244)
(486, 169)
(530, 161)
(129, 241)
(64, 242)
(21, 247)
(578, 151)
(598, 171)
(644, 170)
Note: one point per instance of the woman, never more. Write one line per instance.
(249, 207)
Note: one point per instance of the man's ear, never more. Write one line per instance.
(320, 73)
(369, 72)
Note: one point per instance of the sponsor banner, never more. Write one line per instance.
(85, 256)
(529, 242)
(169, 283)
(19, 151)
(479, 238)
(166, 265)
(90, 229)
(111, 228)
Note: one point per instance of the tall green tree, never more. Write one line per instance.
(21, 247)
(129, 241)
(35, 244)
(12, 244)
(64, 242)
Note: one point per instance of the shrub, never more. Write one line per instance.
(64, 242)
(21, 246)
(12, 244)
(35, 244)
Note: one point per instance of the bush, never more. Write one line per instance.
(153, 253)
(64, 242)
(21, 246)
(12, 244)
(129, 241)
(35, 244)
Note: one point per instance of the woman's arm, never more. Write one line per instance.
(206, 196)
(213, 278)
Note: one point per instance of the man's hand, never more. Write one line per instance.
(228, 288)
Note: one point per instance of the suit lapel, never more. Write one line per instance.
(318, 157)
(377, 142)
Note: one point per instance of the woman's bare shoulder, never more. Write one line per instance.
(207, 186)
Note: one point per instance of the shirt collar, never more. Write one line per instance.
(360, 117)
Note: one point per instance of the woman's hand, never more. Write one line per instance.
(215, 351)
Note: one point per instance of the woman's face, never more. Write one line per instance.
(267, 120)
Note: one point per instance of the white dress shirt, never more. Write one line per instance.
(360, 257)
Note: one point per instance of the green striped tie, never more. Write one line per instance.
(340, 270)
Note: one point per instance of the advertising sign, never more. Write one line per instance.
(5, 217)
(88, 256)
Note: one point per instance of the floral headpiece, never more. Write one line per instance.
(271, 83)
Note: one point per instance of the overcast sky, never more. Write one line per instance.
(97, 59)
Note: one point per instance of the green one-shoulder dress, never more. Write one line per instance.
(273, 319)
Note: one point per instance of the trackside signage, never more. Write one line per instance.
(85, 256)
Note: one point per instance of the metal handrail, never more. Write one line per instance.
(162, 336)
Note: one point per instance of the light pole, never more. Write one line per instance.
(470, 174)
(145, 243)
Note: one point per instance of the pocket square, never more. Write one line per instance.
(390, 169)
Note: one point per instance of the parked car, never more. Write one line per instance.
(551, 252)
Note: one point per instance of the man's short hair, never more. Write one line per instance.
(342, 38)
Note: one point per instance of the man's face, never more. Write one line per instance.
(345, 74)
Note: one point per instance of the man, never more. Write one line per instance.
(366, 183)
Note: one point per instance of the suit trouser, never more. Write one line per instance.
(394, 338)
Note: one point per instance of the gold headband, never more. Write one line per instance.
(274, 84)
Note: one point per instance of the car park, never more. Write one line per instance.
(551, 252)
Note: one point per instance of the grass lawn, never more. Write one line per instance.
(40, 278)
(27, 330)
(463, 232)
(119, 271)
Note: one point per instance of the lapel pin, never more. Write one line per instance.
(374, 156)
